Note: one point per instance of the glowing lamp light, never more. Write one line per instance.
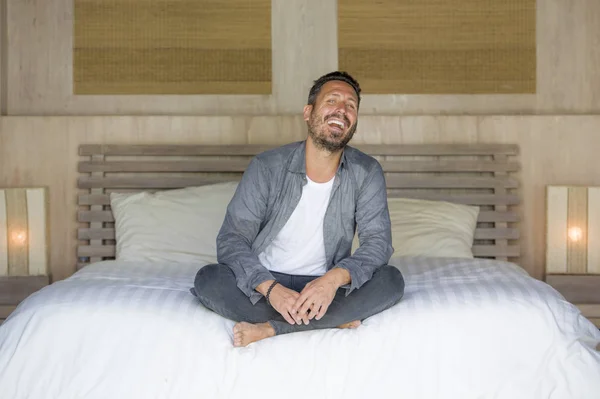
(575, 234)
(23, 235)
(19, 237)
(572, 230)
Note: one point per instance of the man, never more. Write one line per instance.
(284, 246)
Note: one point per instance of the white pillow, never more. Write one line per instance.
(431, 228)
(175, 225)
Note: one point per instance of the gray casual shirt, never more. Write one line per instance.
(270, 190)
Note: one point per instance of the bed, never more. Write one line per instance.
(126, 326)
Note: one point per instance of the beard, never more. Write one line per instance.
(318, 130)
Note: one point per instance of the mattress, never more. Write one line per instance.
(465, 328)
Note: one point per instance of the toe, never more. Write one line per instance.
(239, 327)
(237, 340)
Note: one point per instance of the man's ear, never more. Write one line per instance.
(307, 110)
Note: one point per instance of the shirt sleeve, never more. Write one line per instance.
(243, 219)
(374, 231)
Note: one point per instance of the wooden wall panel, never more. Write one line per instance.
(3, 235)
(304, 46)
(3, 56)
(557, 206)
(41, 65)
(593, 233)
(554, 150)
(568, 56)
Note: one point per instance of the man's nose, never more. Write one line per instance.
(341, 107)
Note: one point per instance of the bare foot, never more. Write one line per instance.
(246, 333)
(352, 324)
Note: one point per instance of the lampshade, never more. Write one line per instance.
(573, 230)
(23, 232)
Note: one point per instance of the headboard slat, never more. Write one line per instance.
(171, 150)
(508, 233)
(439, 149)
(239, 165)
(466, 199)
(478, 250)
(497, 251)
(484, 216)
(216, 165)
(253, 149)
(399, 180)
(396, 180)
(480, 234)
(151, 182)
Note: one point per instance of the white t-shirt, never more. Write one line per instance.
(299, 247)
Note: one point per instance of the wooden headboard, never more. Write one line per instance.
(473, 174)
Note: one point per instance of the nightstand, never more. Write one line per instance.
(573, 246)
(582, 291)
(592, 312)
(13, 289)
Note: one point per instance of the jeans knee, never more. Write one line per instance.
(395, 281)
(205, 278)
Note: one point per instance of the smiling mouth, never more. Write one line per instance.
(337, 124)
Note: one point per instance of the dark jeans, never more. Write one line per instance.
(215, 286)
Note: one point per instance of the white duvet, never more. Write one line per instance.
(464, 329)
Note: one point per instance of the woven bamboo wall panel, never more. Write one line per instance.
(172, 47)
(439, 47)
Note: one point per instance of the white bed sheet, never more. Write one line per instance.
(464, 329)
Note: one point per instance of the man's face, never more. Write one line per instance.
(332, 120)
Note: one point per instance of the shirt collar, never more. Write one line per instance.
(298, 162)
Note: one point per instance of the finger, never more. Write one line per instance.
(287, 317)
(295, 315)
(301, 299)
(298, 310)
(305, 318)
(308, 301)
(309, 311)
(313, 311)
(306, 306)
(297, 318)
(322, 312)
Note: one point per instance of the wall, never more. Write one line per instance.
(304, 46)
(556, 128)
(43, 151)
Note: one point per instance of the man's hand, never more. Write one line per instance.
(282, 299)
(315, 298)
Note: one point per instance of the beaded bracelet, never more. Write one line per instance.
(269, 291)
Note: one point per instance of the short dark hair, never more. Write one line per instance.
(337, 75)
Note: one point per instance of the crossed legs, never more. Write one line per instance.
(216, 288)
